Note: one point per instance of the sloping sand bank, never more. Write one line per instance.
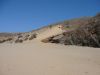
(35, 58)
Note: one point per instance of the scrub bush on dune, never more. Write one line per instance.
(32, 36)
(18, 41)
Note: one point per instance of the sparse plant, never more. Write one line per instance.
(50, 26)
(32, 36)
(45, 40)
(19, 41)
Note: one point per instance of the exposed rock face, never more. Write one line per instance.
(87, 34)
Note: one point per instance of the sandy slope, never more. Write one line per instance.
(36, 58)
(48, 32)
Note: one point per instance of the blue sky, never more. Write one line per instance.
(26, 15)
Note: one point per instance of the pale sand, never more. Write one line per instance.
(48, 32)
(35, 58)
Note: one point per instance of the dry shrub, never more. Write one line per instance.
(19, 41)
(32, 37)
(45, 40)
(2, 41)
(9, 39)
(26, 38)
(55, 41)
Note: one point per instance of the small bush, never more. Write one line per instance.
(26, 38)
(9, 39)
(55, 41)
(2, 41)
(19, 41)
(45, 40)
(32, 37)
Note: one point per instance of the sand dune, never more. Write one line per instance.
(48, 32)
(37, 58)
(33, 57)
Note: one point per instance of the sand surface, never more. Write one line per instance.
(36, 58)
(49, 32)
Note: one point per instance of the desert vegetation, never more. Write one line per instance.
(81, 32)
(31, 37)
(18, 41)
(86, 34)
